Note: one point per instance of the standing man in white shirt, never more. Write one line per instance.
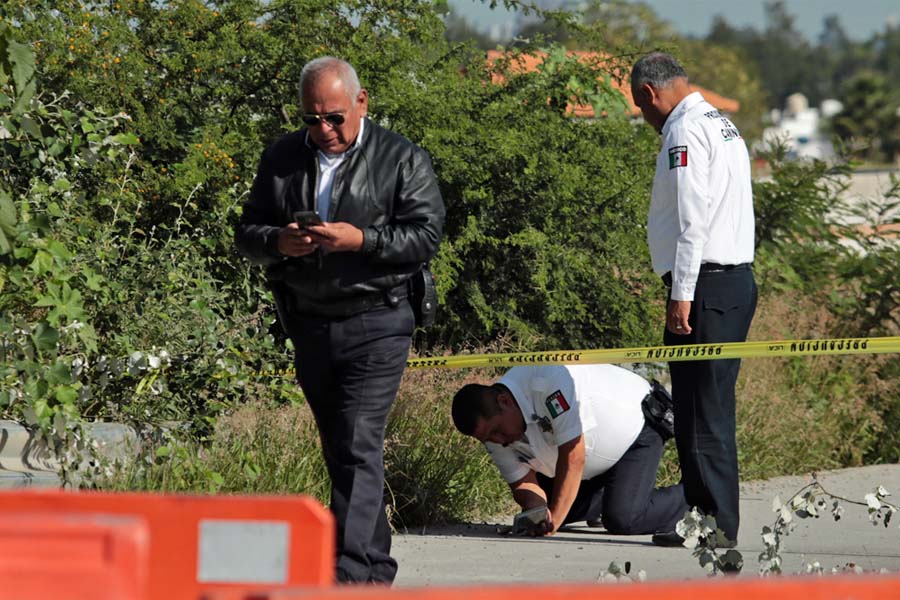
(701, 235)
(575, 439)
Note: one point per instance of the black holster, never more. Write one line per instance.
(658, 409)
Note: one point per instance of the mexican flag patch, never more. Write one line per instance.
(556, 404)
(677, 156)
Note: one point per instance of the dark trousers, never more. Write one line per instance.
(349, 370)
(703, 392)
(624, 496)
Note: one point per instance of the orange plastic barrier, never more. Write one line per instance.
(85, 557)
(855, 587)
(196, 543)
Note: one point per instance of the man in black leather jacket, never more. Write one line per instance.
(341, 285)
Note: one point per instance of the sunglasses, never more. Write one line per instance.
(333, 119)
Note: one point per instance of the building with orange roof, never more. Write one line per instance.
(530, 62)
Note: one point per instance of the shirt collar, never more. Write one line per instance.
(687, 103)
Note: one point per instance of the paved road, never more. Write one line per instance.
(477, 554)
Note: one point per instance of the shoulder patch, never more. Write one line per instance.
(677, 157)
(556, 404)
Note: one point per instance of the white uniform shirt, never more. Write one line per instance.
(701, 210)
(559, 403)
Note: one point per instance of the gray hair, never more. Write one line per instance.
(658, 69)
(317, 67)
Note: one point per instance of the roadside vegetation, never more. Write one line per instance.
(130, 133)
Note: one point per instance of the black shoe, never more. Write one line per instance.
(669, 539)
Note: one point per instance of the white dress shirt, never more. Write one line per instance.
(559, 403)
(328, 164)
(701, 210)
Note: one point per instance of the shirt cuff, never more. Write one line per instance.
(683, 292)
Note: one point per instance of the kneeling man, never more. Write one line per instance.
(575, 439)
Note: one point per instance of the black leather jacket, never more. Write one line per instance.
(385, 186)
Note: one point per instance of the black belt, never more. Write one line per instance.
(709, 268)
(351, 306)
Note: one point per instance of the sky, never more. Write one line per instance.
(860, 18)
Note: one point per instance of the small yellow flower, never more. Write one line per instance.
(116, 60)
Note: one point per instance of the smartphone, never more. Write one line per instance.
(305, 218)
(529, 519)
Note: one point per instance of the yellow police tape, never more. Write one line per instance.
(666, 353)
(822, 347)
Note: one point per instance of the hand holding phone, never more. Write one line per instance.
(305, 218)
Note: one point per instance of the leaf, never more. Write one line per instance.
(62, 184)
(7, 222)
(22, 59)
(66, 394)
(126, 139)
(58, 250)
(42, 411)
(776, 504)
(65, 302)
(44, 337)
(58, 373)
(42, 263)
(30, 127)
(35, 388)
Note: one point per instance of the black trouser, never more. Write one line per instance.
(703, 392)
(624, 496)
(350, 369)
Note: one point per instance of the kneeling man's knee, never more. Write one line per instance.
(621, 522)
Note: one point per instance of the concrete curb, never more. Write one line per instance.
(27, 462)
